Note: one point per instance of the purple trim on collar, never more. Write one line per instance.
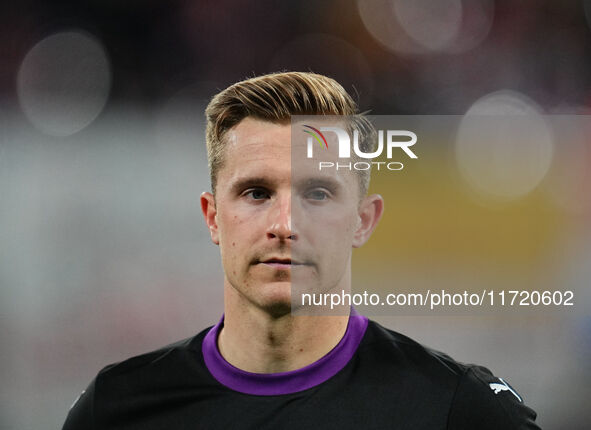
(273, 384)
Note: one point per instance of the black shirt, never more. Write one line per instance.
(374, 378)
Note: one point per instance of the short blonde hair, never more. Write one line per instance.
(274, 97)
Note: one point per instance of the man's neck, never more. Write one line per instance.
(255, 341)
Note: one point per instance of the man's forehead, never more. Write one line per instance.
(253, 131)
(254, 141)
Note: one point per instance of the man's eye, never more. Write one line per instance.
(257, 194)
(317, 195)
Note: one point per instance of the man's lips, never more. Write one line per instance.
(281, 263)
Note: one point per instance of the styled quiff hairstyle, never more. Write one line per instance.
(275, 98)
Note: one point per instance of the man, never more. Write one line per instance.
(262, 366)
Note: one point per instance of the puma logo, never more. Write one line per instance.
(497, 388)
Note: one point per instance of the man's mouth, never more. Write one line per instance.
(281, 263)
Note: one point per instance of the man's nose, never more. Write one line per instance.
(280, 226)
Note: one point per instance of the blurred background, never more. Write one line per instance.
(103, 253)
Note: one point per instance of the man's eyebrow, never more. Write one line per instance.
(329, 183)
(243, 183)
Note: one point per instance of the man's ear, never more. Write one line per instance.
(370, 212)
(210, 215)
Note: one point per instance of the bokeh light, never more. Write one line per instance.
(64, 82)
(504, 146)
(420, 27)
(568, 182)
(434, 25)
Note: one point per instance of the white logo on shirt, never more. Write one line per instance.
(497, 388)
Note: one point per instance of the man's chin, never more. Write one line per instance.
(277, 299)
